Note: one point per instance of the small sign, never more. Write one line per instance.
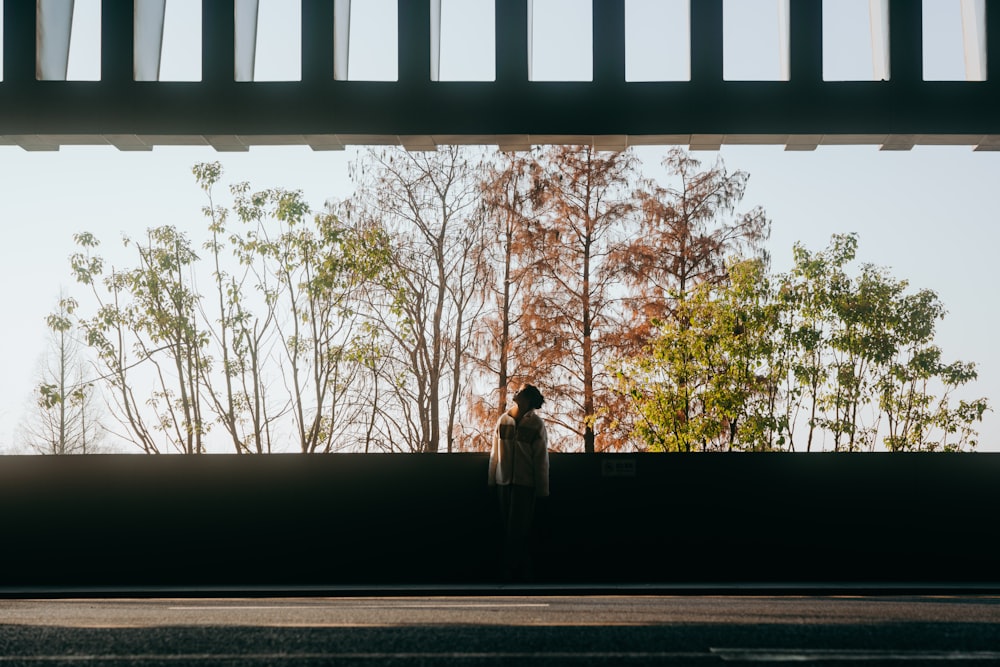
(618, 468)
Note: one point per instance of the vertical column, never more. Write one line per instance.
(706, 41)
(19, 25)
(317, 39)
(805, 41)
(906, 41)
(218, 41)
(414, 30)
(609, 41)
(118, 42)
(511, 41)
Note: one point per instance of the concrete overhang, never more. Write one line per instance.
(227, 111)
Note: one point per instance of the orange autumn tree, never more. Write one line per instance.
(581, 203)
(684, 235)
(509, 187)
(583, 267)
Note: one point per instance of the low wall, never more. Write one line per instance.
(292, 520)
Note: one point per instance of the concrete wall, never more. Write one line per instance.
(289, 520)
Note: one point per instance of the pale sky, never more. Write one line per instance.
(926, 214)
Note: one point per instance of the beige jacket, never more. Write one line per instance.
(520, 453)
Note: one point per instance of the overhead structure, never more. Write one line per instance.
(129, 107)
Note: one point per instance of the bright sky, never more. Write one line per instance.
(926, 214)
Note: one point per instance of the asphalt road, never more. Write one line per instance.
(521, 630)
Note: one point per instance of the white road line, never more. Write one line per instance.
(803, 655)
(345, 607)
(512, 605)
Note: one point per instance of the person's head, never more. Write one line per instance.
(528, 397)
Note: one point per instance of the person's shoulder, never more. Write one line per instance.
(533, 420)
(505, 418)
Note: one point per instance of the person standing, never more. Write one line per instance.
(519, 469)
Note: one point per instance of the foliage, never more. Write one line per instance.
(684, 236)
(282, 319)
(744, 365)
(397, 319)
(581, 206)
(509, 186)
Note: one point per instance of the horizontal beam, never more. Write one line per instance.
(380, 108)
(509, 107)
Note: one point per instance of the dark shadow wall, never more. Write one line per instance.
(289, 520)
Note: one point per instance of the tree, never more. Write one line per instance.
(865, 347)
(739, 365)
(916, 419)
(67, 417)
(710, 378)
(246, 331)
(283, 317)
(509, 183)
(581, 203)
(425, 210)
(147, 316)
(287, 312)
(684, 237)
(314, 276)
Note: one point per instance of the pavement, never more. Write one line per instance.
(538, 629)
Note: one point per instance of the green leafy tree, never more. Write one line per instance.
(711, 377)
(287, 314)
(739, 366)
(148, 315)
(245, 332)
(109, 334)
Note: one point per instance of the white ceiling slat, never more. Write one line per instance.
(55, 26)
(341, 39)
(974, 39)
(148, 39)
(247, 12)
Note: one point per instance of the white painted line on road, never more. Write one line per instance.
(236, 607)
(501, 605)
(345, 607)
(811, 655)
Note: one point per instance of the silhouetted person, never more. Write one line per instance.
(519, 468)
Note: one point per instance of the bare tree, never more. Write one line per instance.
(426, 209)
(66, 418)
